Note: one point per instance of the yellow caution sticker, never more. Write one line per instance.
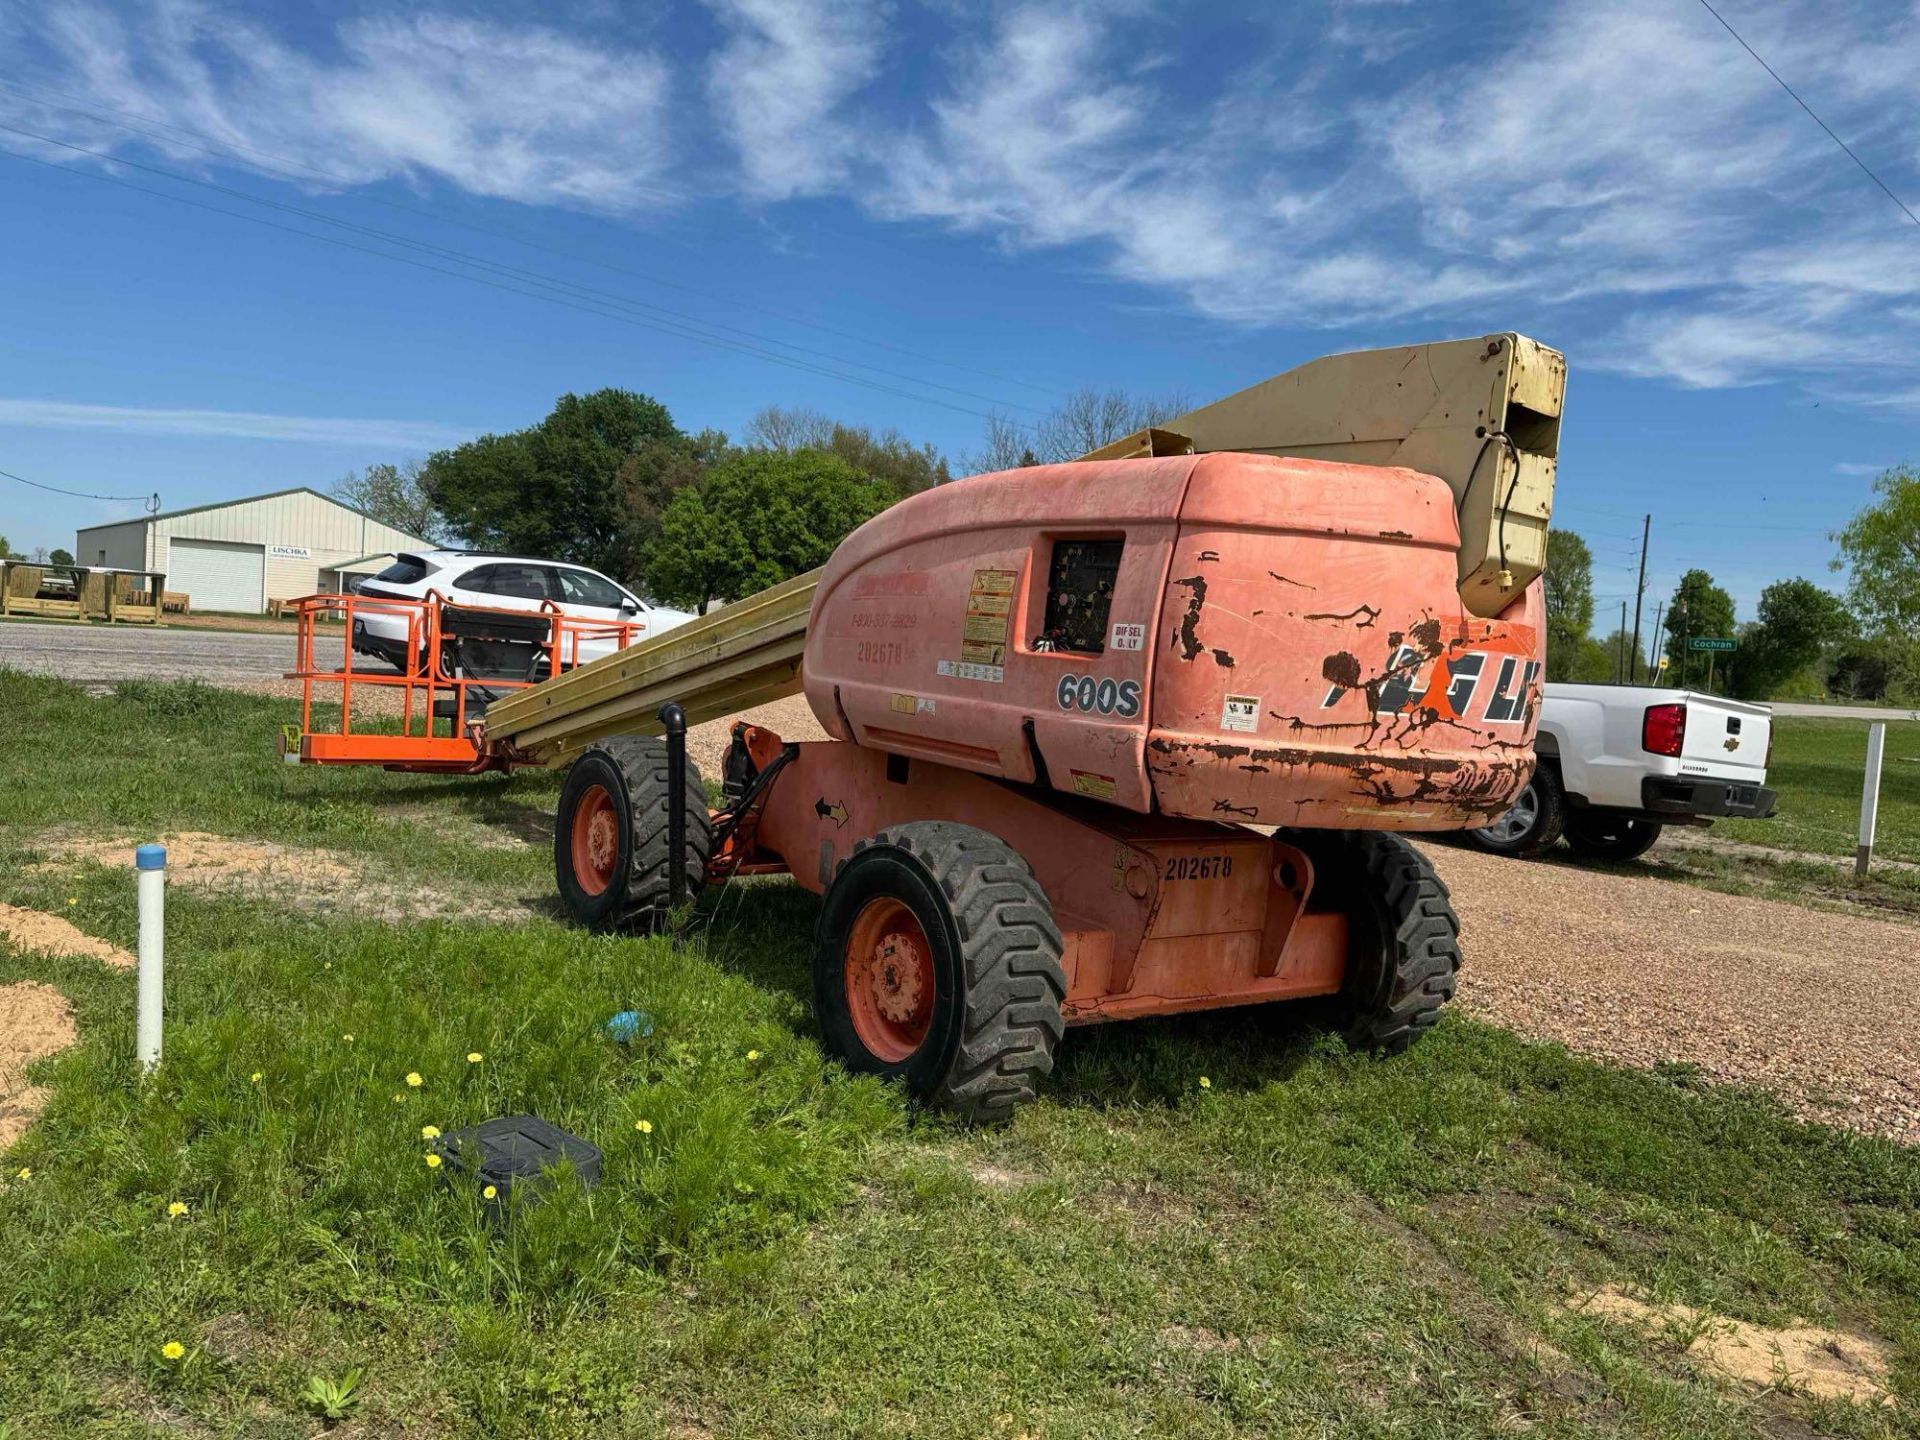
(1098, 787)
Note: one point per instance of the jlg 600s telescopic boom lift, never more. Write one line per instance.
(1114, 738)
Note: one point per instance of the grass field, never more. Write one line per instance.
(1817, 767)
(1218, 1226)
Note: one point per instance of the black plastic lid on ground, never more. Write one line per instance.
(516, 1149)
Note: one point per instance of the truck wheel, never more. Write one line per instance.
(1532, 825)
(610, 851)
(938, 963)
(1600, 836)
(1403, 947)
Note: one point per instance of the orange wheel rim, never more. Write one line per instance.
(596, 840)
(888, 970)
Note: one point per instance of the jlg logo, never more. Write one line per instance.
(1101, 697)
(1408, 685)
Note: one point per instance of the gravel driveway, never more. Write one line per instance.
(1810, 1004)
(102, 654)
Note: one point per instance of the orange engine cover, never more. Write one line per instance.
(1228, 637)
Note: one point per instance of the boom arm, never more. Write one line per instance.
(1483, 415)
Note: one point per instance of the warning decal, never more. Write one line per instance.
(989, 617)
(1240, 712)
(1100, 787)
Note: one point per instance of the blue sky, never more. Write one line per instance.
(968, 208)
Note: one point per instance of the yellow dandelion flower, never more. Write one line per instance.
(26, 1173)
(474, 1057)
(413, 1079)
(256, 1077)
(429, 1132)
(328, 965)
(176, 1209)
(347, 1038)
(433, 1161)
(753, 1054)
(645, 1127)
(173, 1349)
(73, 899)
(489, 1193)
(1205, 1083)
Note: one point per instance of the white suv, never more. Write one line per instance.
(505, 582)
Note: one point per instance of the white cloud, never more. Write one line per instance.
(777, 82)
(1628, 182)
(227, 424)
(519, 112)
(1855, 467)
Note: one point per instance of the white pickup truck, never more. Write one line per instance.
(1620, 762)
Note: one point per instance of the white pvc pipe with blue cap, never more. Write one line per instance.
(150, 861)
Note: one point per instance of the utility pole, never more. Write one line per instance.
(1620, 649)
(1639, 593)
(1653, 642)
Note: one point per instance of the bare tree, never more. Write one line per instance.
(1084, 421)
(394, 495)
(888, 455)
(778, 428)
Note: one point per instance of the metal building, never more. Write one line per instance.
(239, 554)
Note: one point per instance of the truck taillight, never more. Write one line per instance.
(1663, 729)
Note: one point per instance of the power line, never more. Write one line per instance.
(151, 501)
(1831, 135)
(534, 277)
(233, 149)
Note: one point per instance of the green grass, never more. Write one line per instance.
(1818, 767)
(1312, 1243)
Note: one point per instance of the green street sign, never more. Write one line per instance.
(1707, 642)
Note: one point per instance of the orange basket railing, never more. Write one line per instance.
(426, 679)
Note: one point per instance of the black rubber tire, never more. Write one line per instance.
(995, 953)
(1601, 835)
(1550, 818)
(633, 770)
(1403, 946)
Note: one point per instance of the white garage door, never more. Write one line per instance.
(219, 576)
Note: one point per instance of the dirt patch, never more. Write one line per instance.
(36, 930)
(321, 882)
(35, 1021)
(1826, 1364)
(997, 1177)
(1187, 1337)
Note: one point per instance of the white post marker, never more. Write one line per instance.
(1870, 796)
(150, 861)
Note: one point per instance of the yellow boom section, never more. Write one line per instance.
(1483, 415)
(743, 655)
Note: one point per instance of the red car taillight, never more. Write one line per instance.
(1663, 729)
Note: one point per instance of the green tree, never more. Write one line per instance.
(1617, 650)
(553, 489)
(1880, 551)
(6, 550)
(61, 557)
(1699, 608)
(394, 495)
(1797, 621)
(757, 518)
(1568, 585)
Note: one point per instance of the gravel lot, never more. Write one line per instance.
(102, 654)
(1809, 1004)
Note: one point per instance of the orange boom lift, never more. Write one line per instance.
(1122, 737)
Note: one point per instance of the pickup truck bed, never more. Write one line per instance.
(1618, 763)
